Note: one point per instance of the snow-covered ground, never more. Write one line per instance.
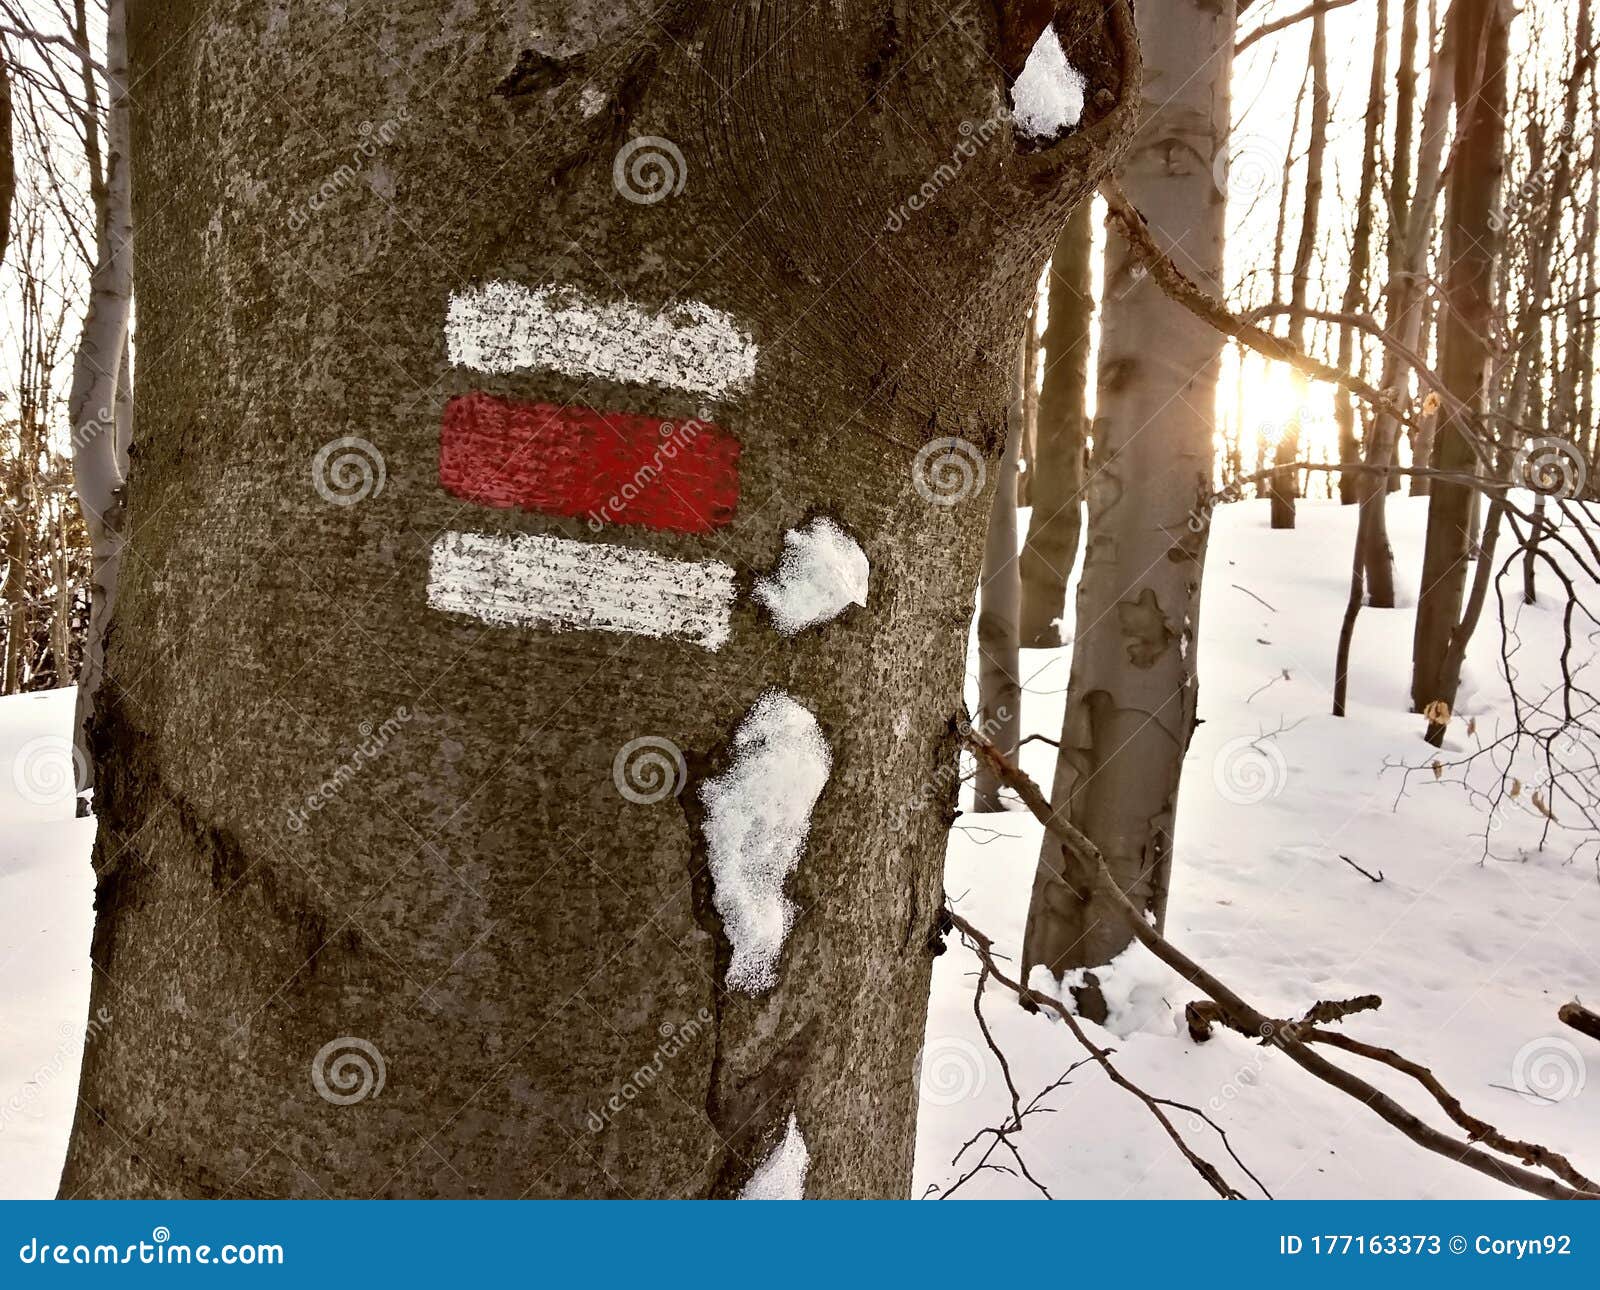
(46, 916)
(1471, 956)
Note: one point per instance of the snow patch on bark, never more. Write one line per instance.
(758, 815)
(782, 1175)
(500, 327)
(823, 571)
(525, 580)
(1048, 97)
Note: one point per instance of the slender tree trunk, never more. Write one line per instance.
(15, 586)
(1286, 481)
(364, 768)
(1529, 349)
(1351, 486)
(1028, 458)
(999, 597)
(1411, 224)
(1409, 311)
(61, 616)
(8, 161)
(1056, 522)
(97, 372)
(1472, 243)
(19, 558)
(1131, 697)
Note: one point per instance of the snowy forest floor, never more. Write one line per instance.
(1472, 950)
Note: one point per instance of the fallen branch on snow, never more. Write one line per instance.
(1294, 1039)
(1580, 1019)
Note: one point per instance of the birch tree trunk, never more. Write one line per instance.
(1472, 244)
(1131, 697)
(97, 375)
(1056, 521)
(382, 908)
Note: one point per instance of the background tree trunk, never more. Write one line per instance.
(1056, 521)
(1131, 696)
(999, 594)
(477, 903)
(1472, 243)
(98, 376)
(1351, 486)
(1028, 456)
(1286, 482)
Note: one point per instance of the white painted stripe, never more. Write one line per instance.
(502, 327)
(526, 580)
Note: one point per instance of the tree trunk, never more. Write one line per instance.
(1028, 455)
(1351, 485)
(97, 374)
(1411, 225)
(1286, 481)
(1526, 385)
(1472, 243)
(999, 594)
(19, 557)
(61, 615)
(381, 908)
(1407, 295)
(1131, 696)
(1056, 523)
(8, 158)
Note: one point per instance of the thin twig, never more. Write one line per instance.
(1360, 870)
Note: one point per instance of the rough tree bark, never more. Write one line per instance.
(1056, 522)
(1131, 696)
(477, 903)
(1472, 240)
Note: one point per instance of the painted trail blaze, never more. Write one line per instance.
(614, 467)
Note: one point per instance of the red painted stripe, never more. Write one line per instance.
(607, 467)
